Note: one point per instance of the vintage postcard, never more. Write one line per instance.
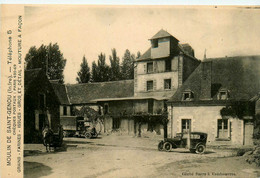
(130, 91)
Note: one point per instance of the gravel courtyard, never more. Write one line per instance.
(127, 156)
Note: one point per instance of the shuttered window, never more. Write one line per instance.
(149, 85)
(149, 67)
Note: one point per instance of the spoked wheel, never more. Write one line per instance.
(87, 135)
(160, 146)
(95, 135)
(200, 149)
(167, 146)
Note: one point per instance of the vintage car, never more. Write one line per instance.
(197, 142)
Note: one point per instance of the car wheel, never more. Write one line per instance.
(200, 149)
(193, 150)
(167, 146)
(160, 146)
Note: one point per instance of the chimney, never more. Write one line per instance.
(206, 81)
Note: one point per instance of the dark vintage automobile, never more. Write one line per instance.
(197, 142)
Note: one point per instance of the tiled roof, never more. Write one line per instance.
(185, 48)
(60, 91)
(240, 75)
(161, 34)
(87, 93)
(146, 55)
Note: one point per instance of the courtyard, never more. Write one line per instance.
(128, 156)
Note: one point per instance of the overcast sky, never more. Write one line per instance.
(89, 30)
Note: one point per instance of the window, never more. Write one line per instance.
(167, 84)
(149, 67)
(150, 106)
(149, 85)
(168, 65)
(187, 96)
(155, 43)
(64, 110)
(223, 128)
(185, 125)
(41, 101)
(106, 108)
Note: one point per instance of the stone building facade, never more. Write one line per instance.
(220, 98)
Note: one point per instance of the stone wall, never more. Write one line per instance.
(204, 119)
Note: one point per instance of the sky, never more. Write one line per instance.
(89, 30)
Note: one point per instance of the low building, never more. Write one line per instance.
(41, 105)
(220, 98)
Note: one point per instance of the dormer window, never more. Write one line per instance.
(187, 96)
(155, 43)
(149, 67)
(223, 95)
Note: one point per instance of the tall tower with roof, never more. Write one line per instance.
(161, 70)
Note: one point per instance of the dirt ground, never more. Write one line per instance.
(125, 156)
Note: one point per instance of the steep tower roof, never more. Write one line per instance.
(161, 34)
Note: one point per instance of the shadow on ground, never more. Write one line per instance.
(33, 152)
(76, 142)
(187, 151)
(35, 169)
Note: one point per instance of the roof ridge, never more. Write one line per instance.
(226, 57)
(100, 82)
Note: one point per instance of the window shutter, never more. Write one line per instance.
(145, 68)
(154, 85)
(61, 110)
(155, 66)
(145, 87)
(37, 121)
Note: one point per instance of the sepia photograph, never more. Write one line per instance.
(131, 91)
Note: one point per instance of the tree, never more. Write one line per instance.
(100, 71)
(127, 68)
(94, 72)
(114, 70)
(84, 73)
(49, 58)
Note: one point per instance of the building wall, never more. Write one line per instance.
(32, 130)
(108, 124)
(204, 119)
(157, 76)
(141, 106)
(163, 49)
(119, 107)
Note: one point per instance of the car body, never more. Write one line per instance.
(197, 142)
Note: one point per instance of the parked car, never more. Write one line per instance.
(197, 142)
